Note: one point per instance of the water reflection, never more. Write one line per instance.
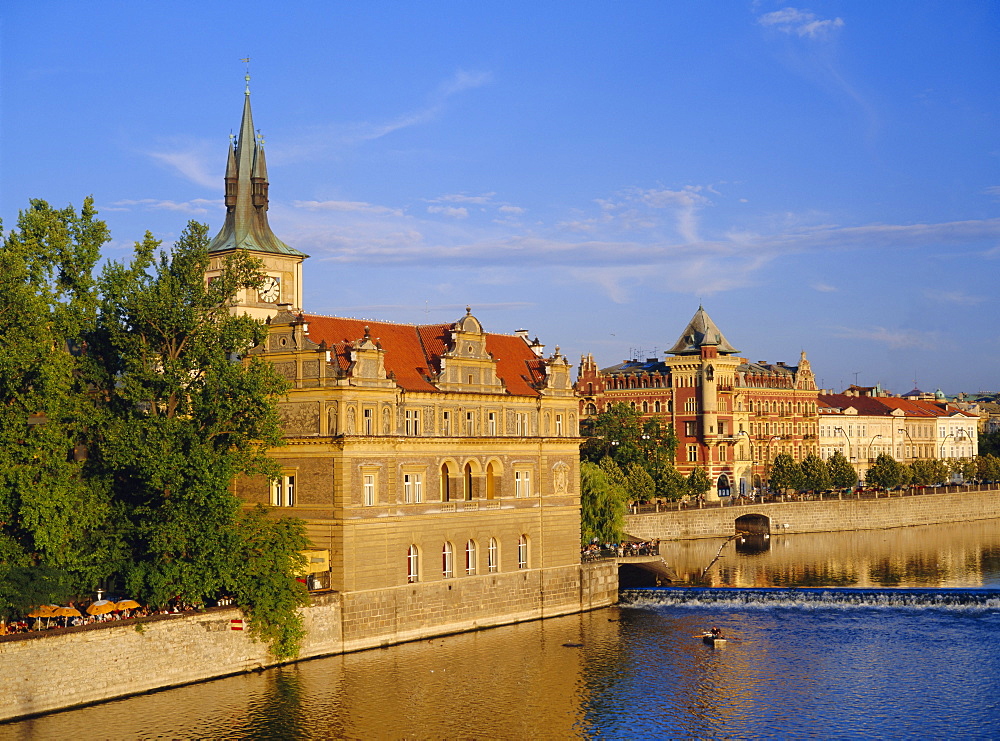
(957, 555)
(792, 668)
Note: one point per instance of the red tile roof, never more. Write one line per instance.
(413, 352)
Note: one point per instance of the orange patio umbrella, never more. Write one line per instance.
(101, 607)
(127, 604)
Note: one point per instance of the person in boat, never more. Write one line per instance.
(715, 633)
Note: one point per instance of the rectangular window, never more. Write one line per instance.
(692, 453)
(413, 488)
(522, 424)
(493, 424)
(369, 489)
(411, 419)
(690, 428)
(283, 491)
(368, 421)
(522, 484)
(691, 405)
(723, 455)
(446, 423)
(559, 425)
(470, 424)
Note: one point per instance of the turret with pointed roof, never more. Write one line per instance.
(700, 331)
(246, 226)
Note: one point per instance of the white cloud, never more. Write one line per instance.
(993, 190)
(455, 212)
(462, 198)
(458, 83)
(193, 165)
(895, 339)
(194, 206)
(954, 297)
(799, 22)
(824, 288)
(511, 210)
(348, 207)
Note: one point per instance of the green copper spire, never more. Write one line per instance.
(246, 224)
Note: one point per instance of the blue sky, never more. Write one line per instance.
(821, 177)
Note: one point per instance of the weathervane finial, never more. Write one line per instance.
(246, 61)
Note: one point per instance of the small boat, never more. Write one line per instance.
(712, 640)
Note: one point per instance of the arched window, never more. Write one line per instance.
(491, 482)
(468, 482)
(470, 558)
(591, 409)
(448, 560)
(645, 407)
(656, 407)
(412, 565)
(445, 484)
(522, 552)
(590, 389)
(493, 556)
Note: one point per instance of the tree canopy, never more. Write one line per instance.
(129, 404)
(842, 473)
(785, 473)
(887, 472)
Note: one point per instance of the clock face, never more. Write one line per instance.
(269, 290)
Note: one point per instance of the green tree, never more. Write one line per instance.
(964, 469)
(698, 482)
(670, 483)
(989, 443)
(641, 487)
(53, 517)
(603, 503)
(622, 434)
(815, 473)
(785, 473)
(188, 410)
(886, 472)
(988, 468)
(842, 473)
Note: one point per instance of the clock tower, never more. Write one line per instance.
(246, 227)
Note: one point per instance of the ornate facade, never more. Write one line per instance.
(862, 424)
(730, 416)
(415, 453)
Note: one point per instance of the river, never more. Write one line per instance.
(890, 634)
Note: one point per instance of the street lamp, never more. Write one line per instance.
(767, 456)
(868, 462)
(913, 448)
(750, 442)
(842, 432)
(950, 434)
(874, 437)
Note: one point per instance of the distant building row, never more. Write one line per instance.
(732, 416)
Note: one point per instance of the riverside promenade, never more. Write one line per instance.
(830, 512)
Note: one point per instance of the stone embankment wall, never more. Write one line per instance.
(46, 671)
(829, 515)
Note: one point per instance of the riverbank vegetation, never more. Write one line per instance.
(625, 459)
(128, 405)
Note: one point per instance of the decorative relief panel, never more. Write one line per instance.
(299, 418)
(285, 370)
(331, 418)
(560, 478)
(310, 369)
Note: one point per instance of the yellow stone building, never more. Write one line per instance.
(415, 453)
